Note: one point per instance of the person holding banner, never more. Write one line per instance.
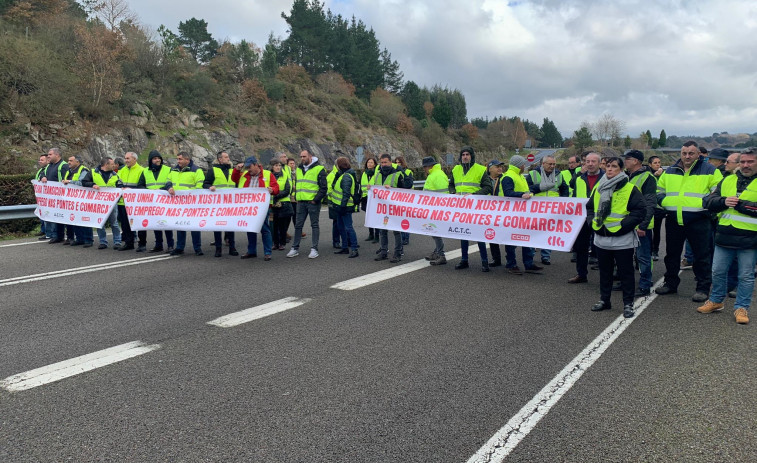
(469, 177)
(344, 196)
(130, 176)
(400, 161)
(615, 209)
(514, 185)
(369, 170)
(583, 187)
(219, 177)
(185, 176)
(494, 168)
(79, 175)
(437, 182)
(43, 234)
(547, 181)
(390, 177)
(55, 172)
(105, 176)
(281, 204)
(156, 177)
(256, 177)
(310, 183)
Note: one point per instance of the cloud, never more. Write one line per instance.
(682, 65)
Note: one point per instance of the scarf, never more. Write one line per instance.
(547, 181)
(605, 188)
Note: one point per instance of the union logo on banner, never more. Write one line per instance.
(72, 217)
(489, 234)
(202, 223)
(145, 222)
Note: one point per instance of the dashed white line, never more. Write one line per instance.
(21, 244)
(75, 366)
(79, 270)
(377, 277)
(254, 313)
(520, 425)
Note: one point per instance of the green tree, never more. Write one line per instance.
(663, 139)
(550, 135)
(244, 57)
(582, 139)
(627, 142)
(414, 97)
(269, 64)
(442, 113)
(195, 38)
(534, 132)
(649, 137)
(392, 74)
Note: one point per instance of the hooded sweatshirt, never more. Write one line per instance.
(485, 188)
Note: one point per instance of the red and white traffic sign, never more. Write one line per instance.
(530, 157)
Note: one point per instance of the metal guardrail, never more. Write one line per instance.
(24, 211)
(418, 184)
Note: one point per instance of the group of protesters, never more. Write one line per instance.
(706, 199)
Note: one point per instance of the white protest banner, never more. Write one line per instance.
(74, 205)
(238, 209)
(540, 222)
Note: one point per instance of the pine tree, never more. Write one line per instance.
(663, 139)
(195, 38)
(550, 135)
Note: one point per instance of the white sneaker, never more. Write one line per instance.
(313, 254)
(293, 253)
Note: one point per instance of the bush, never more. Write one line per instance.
(386, 106)
(16, 190)
(341, 132)
(195, 91)
(334, 84)
(274, 89)
(404, 124)
(296, 75)
(433, 138)
(254, 94)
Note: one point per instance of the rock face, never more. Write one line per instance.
(179, 131)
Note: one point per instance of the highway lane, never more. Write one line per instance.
(423, 367)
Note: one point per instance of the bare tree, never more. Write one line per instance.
(114, 12)
(607, 128)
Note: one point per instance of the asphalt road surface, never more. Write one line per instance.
(415, 364)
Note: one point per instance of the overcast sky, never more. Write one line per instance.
(686, 66)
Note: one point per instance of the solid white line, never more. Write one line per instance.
(79, 270)
(389, 273)
(254, 313)
(21, 244)
(75, 366)
(510, 435)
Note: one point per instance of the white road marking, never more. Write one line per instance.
(392, 272)
(75, 366)
(21, 244)
(79, 270)
(254, 313)
(512, 433)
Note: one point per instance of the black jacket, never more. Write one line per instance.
(649, 190)
(485, 187)
(727, 236)
(51, 172)
(637, 210)
(563, 190)
(210, 176)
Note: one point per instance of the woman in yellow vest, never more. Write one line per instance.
(369, 170)
(616, 207)
(495, 167)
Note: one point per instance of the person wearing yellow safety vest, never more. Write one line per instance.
(494, 169)
(156, 178)
(254, 176)
(336, 238)
(681, 191)
(546, 180)
(514, 185)
(219, 179)
(583, 186)
(310, 183)
(104, 176)
(616, 207)
(469, 177)
(186, 176)
(735, 201)
(55, 171)
(131, 175)
(436, 182)
(643, 179)
(369, 170)
(345, 194)
(281, 205)
(569, 174)
(81, 176)
(43, 234)
(400, 161)
(654, 164)
(388, 176)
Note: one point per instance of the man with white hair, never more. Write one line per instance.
(547, 181)
(583, 185)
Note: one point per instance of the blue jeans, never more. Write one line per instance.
(721, 261)
(336, 235)
(252, 240)
(159, 238)
(528, 256)
(644, 256)
(102, 236)
(481, 248)
(546, 254)
(347, 231)
(688, 253)
(83, 234)
(181, 240)
(405, 237)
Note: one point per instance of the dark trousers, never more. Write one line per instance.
(496, 253)
(159, 238)
(280, 227)
(481, 249)
(699, 234)
(583, 241)
(659, 216)
(219, 237)
(127, 235)
(608, 259)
